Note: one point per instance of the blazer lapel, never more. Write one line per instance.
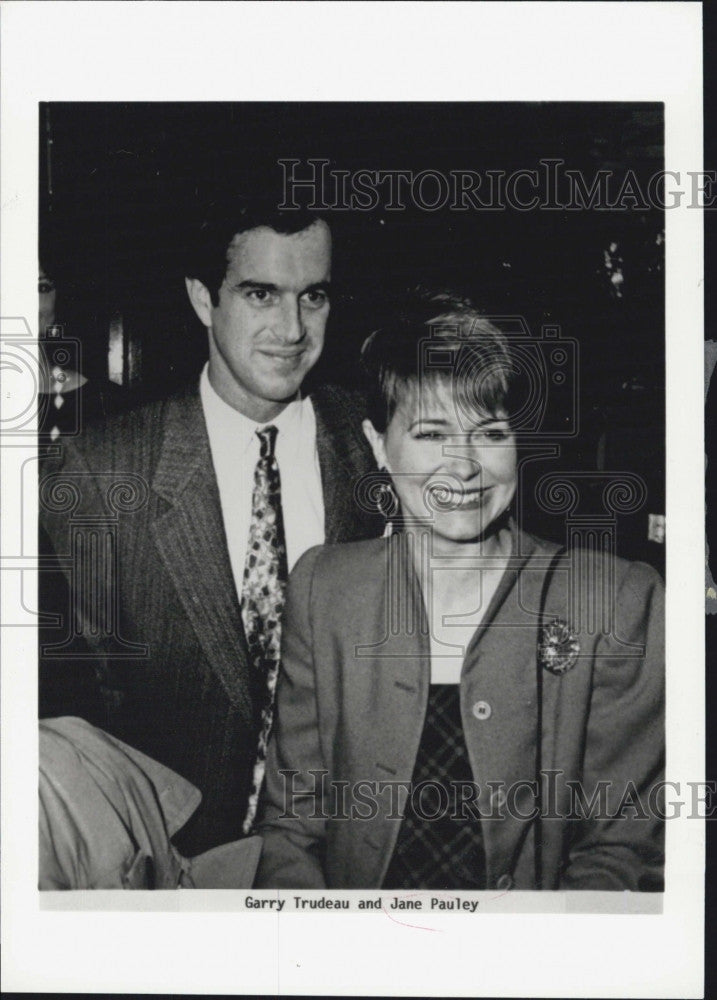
(504, 674)
(190, 540)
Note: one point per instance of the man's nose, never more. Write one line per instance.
(290, 325)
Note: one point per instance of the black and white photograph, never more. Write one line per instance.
(345, 454)
(471, 391)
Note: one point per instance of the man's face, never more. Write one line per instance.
(267, 331)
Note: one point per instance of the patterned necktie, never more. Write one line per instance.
(263, 592)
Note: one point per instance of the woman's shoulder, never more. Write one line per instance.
(341, 558)
(637, 586)
(589, 576)
(623, 574)
(586, 559)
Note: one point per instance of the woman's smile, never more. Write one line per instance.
(465, 498)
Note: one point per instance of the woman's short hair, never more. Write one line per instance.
(437, 338)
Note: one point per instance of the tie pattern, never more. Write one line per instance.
(263, 595)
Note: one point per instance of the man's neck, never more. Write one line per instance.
(260, 411)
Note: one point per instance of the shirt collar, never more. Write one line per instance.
(241, 430)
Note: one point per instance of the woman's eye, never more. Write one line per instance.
(45, 287)
(496, 434)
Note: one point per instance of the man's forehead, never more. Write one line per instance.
(314, 240)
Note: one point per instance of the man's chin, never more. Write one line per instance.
(282, 392)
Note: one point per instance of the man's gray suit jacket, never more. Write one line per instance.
(132, 511)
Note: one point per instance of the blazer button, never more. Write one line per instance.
(505, 882)
(482, 710)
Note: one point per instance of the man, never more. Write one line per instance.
(170, 520)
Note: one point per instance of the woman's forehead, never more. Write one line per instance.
(439, 400)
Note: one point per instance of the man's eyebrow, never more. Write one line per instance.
(318, 286)
(267, 286)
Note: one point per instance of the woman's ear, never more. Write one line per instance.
(376, 441)
(201, 300)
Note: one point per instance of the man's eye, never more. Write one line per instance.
(315, 298)
(259, 295)
(45, 287)
(429, 436)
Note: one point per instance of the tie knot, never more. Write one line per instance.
(267, 441)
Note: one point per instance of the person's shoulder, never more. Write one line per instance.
(637, 578)
(633, 585)
(329, 399)
(341, 561)
(622, 575)
(130, 436)
(624, 572)
(533, 545)
(144, 415)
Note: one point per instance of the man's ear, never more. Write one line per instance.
(376, 441)
(201, 300)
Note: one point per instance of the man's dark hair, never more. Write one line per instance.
(216, 223)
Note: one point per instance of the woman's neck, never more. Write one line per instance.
(457, 583)
(492, 547)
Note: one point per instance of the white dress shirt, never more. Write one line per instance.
(235, 452)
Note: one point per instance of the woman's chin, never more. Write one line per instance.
(466, 528)
(462, 530)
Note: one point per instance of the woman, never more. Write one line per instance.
(461, 705)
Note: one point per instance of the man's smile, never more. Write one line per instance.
(286, 355)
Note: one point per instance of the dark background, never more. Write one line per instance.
(118, 182)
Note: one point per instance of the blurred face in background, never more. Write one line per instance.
(47, 295)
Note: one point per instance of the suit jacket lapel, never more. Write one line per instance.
(191, 541)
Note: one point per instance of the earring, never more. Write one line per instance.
(387, 502)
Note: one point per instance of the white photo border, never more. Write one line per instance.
(357, 51)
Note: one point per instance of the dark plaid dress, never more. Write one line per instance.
(446, 852)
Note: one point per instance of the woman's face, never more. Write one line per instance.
(46, 292)
(451, 470)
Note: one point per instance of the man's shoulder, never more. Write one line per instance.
(332, 400)
(339, 414)
(133, 436)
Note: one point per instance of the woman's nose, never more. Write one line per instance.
(464, 464)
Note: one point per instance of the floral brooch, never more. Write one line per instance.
(558, 647)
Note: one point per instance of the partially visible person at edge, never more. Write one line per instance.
(441, 687)
(194, 485)
(71, 387)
